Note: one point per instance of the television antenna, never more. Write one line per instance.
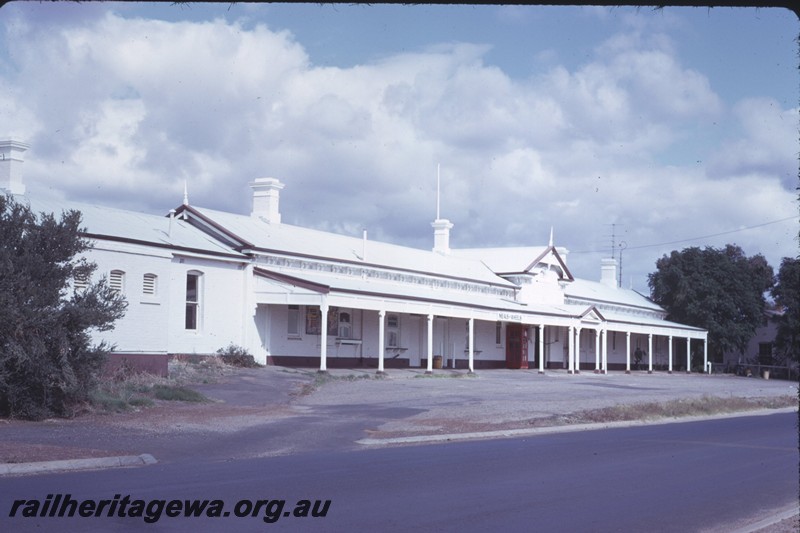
(614, 241)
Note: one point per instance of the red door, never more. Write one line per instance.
(516, 346)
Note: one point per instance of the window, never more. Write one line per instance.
(293, 321)
(193, 299)
(149, 284)
(345, 326)
(498, 333)
(116, 280)
(392, 331)
(313, 321)
(80, 282)
(765, 353)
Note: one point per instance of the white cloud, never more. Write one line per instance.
(136, 105)
(766, 144)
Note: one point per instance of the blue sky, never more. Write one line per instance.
(672, 124)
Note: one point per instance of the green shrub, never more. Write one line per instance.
(237, 356)
(47, 363)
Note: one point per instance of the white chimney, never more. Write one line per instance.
(11, 166)
(441, 235)
(608, 272)
(266, 199)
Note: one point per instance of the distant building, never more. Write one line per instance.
(198, 279)
(760, 348)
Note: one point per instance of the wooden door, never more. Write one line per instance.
(516, 346)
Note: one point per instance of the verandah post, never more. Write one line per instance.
(323, 337)
(381, 348)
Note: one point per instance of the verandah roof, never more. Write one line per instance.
(484, 307)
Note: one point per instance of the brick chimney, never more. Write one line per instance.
(11, 166)
(608, 272)
(266, 199)
(441, 235)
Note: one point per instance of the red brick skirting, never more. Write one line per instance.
(156, 364)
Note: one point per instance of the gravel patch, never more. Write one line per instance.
(400, 403)
(510, 399)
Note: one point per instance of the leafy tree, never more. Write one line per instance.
(47, 362)
(719, 290)
(787, 295)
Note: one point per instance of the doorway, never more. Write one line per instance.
(516, 346)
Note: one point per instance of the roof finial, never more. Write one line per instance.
(185, 193)
(551, 236)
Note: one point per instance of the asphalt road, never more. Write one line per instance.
(697, 476)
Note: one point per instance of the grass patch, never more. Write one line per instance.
(703, 406)
(322, 378)
(141, 402)
(127, 390)
(439, 375)
(109, 402)
(177, 394)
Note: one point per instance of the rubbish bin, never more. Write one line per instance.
(765, 373)
(437, 361)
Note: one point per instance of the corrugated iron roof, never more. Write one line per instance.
(298, 241)
(119, 224)
(599, 292)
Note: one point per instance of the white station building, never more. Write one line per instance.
(197, 280)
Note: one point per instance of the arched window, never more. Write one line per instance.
(193, 299)
(149, 284)
(80, 282)
(116, 280)
(392, 331)
(345, 325)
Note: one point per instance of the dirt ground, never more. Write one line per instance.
(271, 402)
(400, 404)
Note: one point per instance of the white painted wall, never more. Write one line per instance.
(281, 343)
(260, 340)
(555, 343)
(142, 329)
(485, 342)
(228, 314)
(155, 323)
(413, 331)
(370, 336)
(221, 299)
(449, 333)
(541, 288)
